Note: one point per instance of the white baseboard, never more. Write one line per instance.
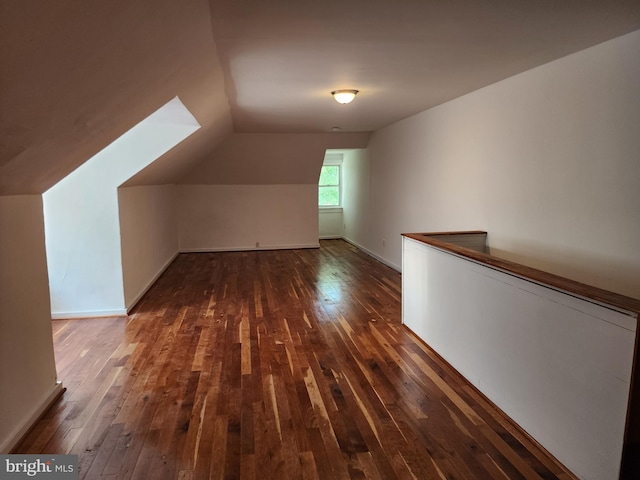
(248, 249)
(125, 311)
(89, 314)
(119, 312)
(151, 282)
(8, 444)
(397, 268)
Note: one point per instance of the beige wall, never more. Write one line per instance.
(260, 187)
(356, 198)
(230, 217)
(148, 236)
(27, 369)
(545, 161)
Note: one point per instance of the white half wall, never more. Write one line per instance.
(81, 216)
(545, 161)
(330, 223)
(27, 365)
(148, 236)
(558, 364)
(247, 217)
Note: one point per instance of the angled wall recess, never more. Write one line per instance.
(82, 225)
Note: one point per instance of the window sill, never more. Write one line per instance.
(330, 209)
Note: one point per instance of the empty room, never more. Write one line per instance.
(368, 240)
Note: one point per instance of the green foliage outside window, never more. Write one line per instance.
(329, 186)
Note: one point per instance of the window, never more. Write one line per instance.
(329, 186)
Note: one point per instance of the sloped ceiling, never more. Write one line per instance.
(276, 158)
(77, 74)
(283, 58)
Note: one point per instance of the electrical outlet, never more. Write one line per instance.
(384, 242)
(257, 244)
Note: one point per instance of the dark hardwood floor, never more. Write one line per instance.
(272, 365)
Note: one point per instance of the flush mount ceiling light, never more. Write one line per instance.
(344, 96)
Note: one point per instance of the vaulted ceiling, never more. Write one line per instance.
(75, 75)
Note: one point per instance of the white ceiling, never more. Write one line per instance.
(281, 58)
(75, 75)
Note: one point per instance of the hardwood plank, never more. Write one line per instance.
(273, 364)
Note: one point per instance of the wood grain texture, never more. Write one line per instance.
(273, 365)
(612, 299)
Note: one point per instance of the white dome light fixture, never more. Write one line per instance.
(344, 96)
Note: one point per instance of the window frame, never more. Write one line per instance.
(332, 162)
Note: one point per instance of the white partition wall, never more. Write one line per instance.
(559, 365)
(27, 364)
